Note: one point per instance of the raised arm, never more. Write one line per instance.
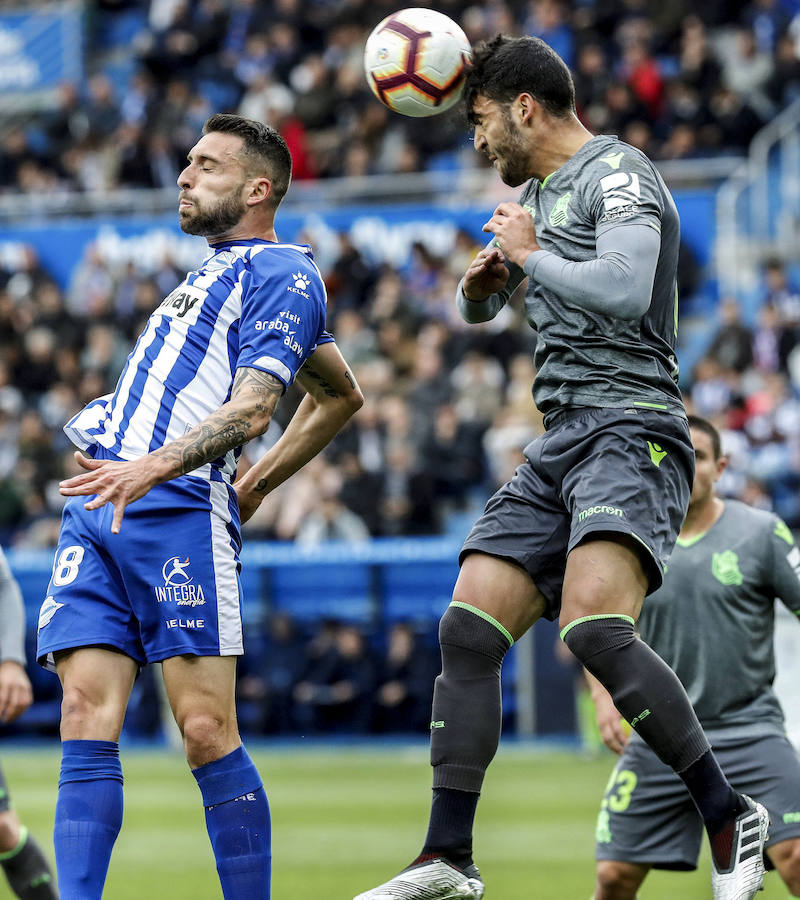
(246, 415)
(332, 397)
(487, 285)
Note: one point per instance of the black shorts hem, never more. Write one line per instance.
(668, 865)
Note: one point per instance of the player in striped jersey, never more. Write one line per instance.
(203, 379)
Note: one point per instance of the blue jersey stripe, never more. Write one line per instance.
(143, 373)
(186, 366)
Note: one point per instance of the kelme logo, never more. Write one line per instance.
(725, 568)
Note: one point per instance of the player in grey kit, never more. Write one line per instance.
(583, 530)
(713, 622)
(21, 858)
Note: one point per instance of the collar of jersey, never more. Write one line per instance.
(253, 242)
(579, 154)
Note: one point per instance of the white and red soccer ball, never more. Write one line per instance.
(415, 61)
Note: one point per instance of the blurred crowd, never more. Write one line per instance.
(448, 406)
(676, 79)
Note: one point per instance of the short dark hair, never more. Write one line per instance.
(264, 150)
(504, 67)
(701, 424)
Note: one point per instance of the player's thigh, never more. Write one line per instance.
(785, 856)
(96, 683)
(646, 815)
(618, 880)
(201, 692)
(627, 477)
(501, 589)
(513, 558)
(603, 575)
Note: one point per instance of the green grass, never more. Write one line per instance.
(347, 818)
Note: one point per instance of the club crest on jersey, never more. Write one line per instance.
(179, 586)
(48, 610)
(725, 568)
(299, 284)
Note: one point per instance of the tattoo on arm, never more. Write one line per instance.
(327, 387)
(227, 428)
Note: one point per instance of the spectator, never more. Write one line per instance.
(405, 682)
(732, 345)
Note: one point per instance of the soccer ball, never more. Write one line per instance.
(415, 61)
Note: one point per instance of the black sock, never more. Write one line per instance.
(467, 702)
(465, 731)
(28, 873)
(450, 827)
(650, 696)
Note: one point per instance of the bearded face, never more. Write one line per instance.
(210, 218)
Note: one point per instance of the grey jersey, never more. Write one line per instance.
(587, 357)
(712, 621)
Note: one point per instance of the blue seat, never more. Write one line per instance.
(417, 591)
(323, 590)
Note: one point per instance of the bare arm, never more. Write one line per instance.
(609, 721)
(332, 397)
(246, 415)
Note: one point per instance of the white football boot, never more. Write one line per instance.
(743, 877)
(435, 879)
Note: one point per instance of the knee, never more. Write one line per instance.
(207, 736)
(616, 881)
(9, 831)
(87, 713)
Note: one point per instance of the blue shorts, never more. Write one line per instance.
(166, 585)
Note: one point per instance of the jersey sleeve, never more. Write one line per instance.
(283, 314)
(622, 188)
(785, 569)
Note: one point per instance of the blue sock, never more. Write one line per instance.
(88, 816)
(237, 819)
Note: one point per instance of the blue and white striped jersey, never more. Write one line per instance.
(252, 303)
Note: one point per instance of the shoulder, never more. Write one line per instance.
(750, 520)
(289, 267)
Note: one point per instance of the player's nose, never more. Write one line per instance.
(184, 179)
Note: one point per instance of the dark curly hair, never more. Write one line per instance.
(504, 67)
(264, 150)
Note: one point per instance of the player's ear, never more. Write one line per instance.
(260, 190)
(524, 107)
(722, 463)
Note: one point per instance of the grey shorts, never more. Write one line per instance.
(648, 817)
(5, 799)
(628, 471)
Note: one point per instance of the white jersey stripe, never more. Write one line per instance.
(229, 615)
